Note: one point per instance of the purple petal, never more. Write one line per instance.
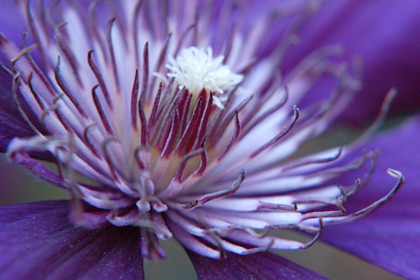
(38, 242)
(10, 26)
(390, 236)
(385, 34)
(10, 124)
(255, 266)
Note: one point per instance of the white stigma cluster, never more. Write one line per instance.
(196, 69)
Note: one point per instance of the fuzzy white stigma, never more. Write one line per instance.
(196, 69)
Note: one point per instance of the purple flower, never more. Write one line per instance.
(167, 120)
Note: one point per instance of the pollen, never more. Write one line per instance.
(196, 69)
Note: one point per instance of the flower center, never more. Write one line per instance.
(196, 69)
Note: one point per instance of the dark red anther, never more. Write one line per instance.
(143, 122)
(189, 135)
(152, 117)
(66, 91)
(167, 149)
(145, 67)
(209, 197)
(204, 121)
(100, 79)
(134, 98)
(68, 53)
(184, 161)
(101, 112)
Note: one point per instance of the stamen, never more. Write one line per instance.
(203, 163)
(107, 156)
(101, 112)
(143, 122)
(218, 241)
(356, 188)
(313, 161)
(251, 231)
(274, 206)
(134, 96)
(236, 132)
(373, 206)
(36, 68)
(285, 130)
(33, 28)
(165, 108)
(316, 237)
(251, 120)
(183, 163)
(184, 107)
(196, 70)
(216, 195)
(68, 53)
(172, 136)
(49, 109)
(162, 230)
(322, 214)
(137, 10)
(152, 116)
(222, 120)
(258, 249)
(34, 92)
(145, 66)
(5, 69)
(203, 124)
(23, 52)
(100, 79)
(87, 140)
(66, 91)
(192, 124)
(150, 246)
(15, 86)
(158, 66)
(137, 156)
(93, 27)
(110, 25)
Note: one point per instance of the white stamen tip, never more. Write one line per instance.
(196, 69)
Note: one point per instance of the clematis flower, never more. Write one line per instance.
(164, 121)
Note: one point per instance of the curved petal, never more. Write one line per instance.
(38, 242)
(255, 266)
(390, 236)
(385, 34)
